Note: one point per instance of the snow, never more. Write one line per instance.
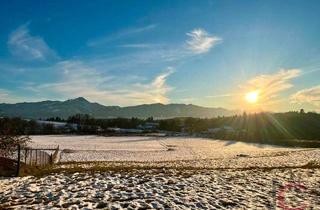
(160, 184)
(163, 189)
(139, 148)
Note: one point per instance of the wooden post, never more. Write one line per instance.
(43, 158)
(30, 151)
(41, 162)
(18, 163)
(36, 157)
(25, 155)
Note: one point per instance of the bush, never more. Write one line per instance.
(9, 143)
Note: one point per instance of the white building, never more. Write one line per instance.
(58, 125)
(224, 128)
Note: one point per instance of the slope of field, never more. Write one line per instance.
(152, 149)
(177, 173)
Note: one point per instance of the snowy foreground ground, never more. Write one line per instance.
(166, 189)
(169, 173)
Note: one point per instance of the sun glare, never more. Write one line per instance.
(252, 97)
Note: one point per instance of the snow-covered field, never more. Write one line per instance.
(177, 173)
(153, 149)
(98, 143)
(159, 149)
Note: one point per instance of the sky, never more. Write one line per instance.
(208, 53)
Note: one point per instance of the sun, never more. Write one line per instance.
(252, 97)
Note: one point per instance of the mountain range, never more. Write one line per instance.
(64, 109)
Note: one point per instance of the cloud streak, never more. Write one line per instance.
(139, 45)
(80, 80)
(97, 78)
(27, 47)
(201, 42)
(309, 96)
(270, 86)
(8, 96)
(3, 94)
(220, 96)
(122, 34)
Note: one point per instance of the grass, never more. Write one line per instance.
(8, 167)
(124, 167)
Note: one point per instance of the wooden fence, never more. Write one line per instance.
(38, 156)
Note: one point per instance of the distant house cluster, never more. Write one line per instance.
(223, 128)
(147, 127)
(67, 127)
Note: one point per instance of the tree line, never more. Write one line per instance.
(258, 127)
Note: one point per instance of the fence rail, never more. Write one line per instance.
(55, 156)
(39, 156)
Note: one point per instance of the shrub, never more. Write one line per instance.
(9, 143)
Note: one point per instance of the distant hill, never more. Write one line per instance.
(64, 109)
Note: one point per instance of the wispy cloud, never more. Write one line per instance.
(309, 96)
(220, 96)
(139, 45)
(156, 91)
(138, 30)
(8, 96)
(3, 94)
(78, 79)
(27, 47)
(270, 86)
(122, 34)
(98, 77)
(201, 41)
(187, 100)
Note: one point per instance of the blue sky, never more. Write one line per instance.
(209, 53)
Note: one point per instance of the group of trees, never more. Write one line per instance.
(20, 126)
(259, 127)
(86, 120)
(81, 124)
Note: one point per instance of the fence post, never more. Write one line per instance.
(25, 155)
(42, 158)
(36, 157)
(31, 151)
(18, 163)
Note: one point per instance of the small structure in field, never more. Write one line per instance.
(149, 126)
(59, 125)
(228, 129)
(124, 130)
